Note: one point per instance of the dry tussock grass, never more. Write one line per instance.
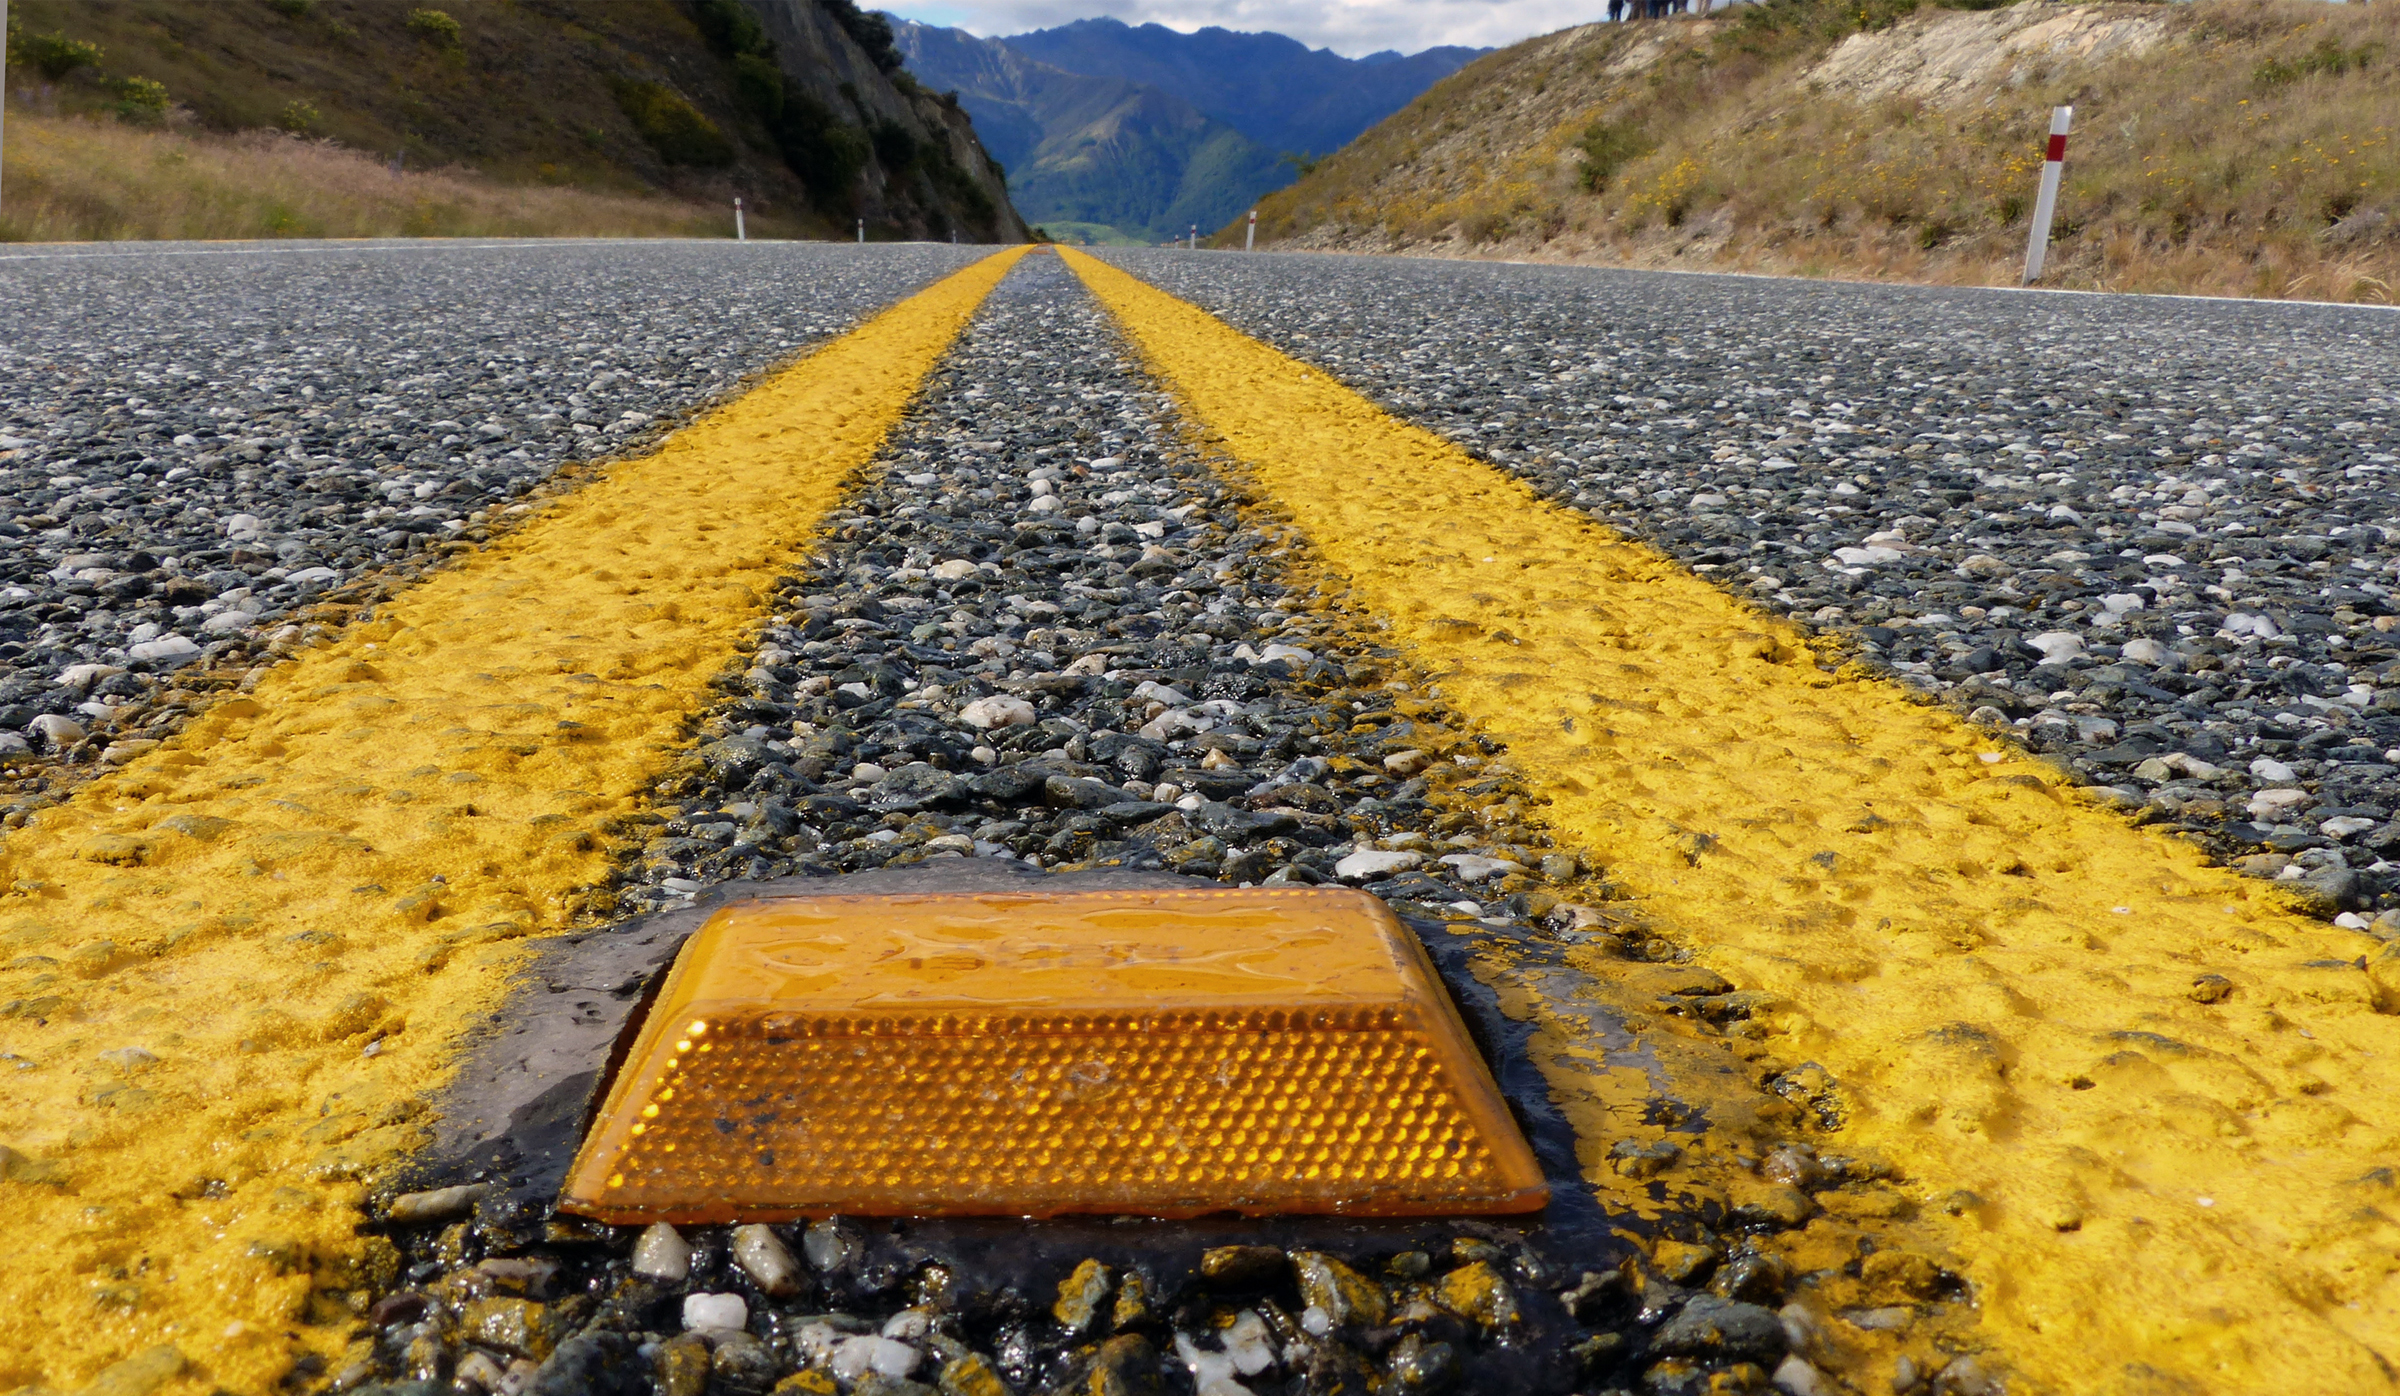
(2256, 152)
(70, 179)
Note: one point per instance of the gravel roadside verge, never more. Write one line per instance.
(2153, 539)
(1044, 632)
(196, 445)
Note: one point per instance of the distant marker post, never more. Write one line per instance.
(862, 231)
(1250, 238)
(1193, 245)
(2045, 204)
(740, 233)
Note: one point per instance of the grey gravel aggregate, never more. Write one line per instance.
(2154, 538)
(1041, 630)
(1042, 602)
(194, 442)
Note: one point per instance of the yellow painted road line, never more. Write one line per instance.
(200, 949)
(2159, 1187)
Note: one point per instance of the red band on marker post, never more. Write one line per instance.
(2058, 148)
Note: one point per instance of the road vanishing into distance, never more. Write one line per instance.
(1899, 782)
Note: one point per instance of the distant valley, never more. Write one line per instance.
(1111, 132)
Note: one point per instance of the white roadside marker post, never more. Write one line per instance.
(1250, 238)
(2045, 204)
(1194, 244)
(740, 233)
(862, 231)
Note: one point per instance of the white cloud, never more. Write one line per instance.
(1353, 27)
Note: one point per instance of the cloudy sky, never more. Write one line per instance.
(1353, 27)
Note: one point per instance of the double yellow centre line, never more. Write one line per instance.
(201, 949)
(2155, 1189)
(198, 952)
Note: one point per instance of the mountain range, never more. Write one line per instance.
(1112, 132)
(1273, 89)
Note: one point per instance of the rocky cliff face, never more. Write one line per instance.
(862, 134)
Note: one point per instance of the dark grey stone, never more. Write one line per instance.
(1724, 1329)
(593, 1364)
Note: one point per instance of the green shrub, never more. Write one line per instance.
(1826, 20)
(292, 9)
(730, 28)
(299, 117)
(966, 198)
(56, 55)
(2327, 60)
(758, 81)
(826, 152)
(1609, 146)
(872, 31)
(436, 26)
(673, 127)
(895, 146)
(141, 101)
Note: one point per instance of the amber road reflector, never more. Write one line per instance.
(1167, 1053)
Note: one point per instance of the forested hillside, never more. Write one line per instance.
(800, 107)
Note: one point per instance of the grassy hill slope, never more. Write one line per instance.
(649, 114)
(77, 179)
(2245, 147)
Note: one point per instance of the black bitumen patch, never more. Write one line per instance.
(532, 1084)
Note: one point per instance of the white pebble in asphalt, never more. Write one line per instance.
(662, 1254)
(723, 1312)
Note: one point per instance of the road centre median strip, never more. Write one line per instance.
(2150, 1098)
(234, 966)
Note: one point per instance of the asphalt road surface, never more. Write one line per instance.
(2120, 528)
(1809, 725)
